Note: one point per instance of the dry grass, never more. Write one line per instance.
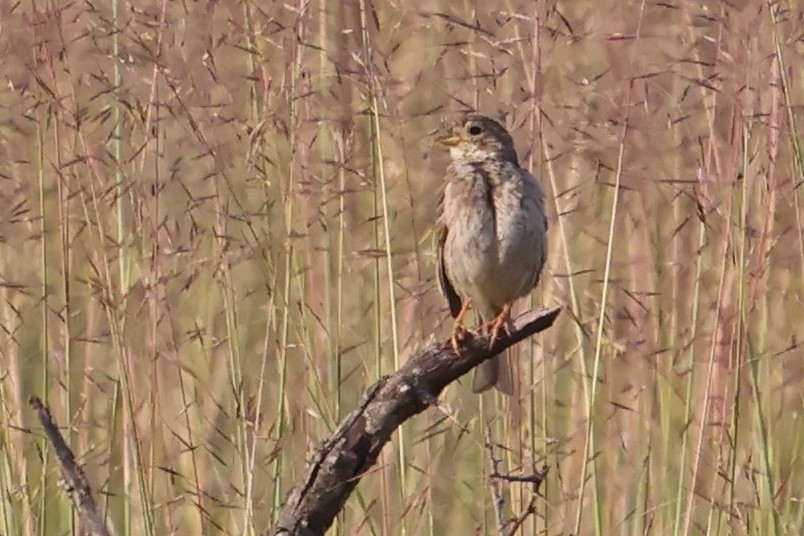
(215, 231)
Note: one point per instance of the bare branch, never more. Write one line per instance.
(75, 481)
(312, 505)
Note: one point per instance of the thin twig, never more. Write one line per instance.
(513, 525)
(494, 486)
(536, 478)
(510, 527)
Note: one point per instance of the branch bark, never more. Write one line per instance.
(75, 481)
(340, 463)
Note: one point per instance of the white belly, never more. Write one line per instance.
(493, 255)
(495, 269)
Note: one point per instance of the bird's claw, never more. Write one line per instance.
(459, 333)
(502, 322)
(458, 329)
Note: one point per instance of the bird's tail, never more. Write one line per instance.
(494, 372)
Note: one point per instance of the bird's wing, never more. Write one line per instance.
(441, 232)
(533, 200)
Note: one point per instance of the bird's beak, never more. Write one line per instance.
(450, 140)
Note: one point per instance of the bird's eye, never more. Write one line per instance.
(474, 130)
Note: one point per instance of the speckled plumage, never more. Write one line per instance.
(490, 232)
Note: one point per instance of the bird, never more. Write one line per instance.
(490, 235)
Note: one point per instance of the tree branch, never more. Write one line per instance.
(75, 481)
(312, 505)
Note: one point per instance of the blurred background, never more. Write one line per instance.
(216, 231)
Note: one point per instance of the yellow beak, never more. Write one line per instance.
(450, 140)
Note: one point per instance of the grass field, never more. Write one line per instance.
(215, 231)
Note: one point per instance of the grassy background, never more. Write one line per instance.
(215, 231)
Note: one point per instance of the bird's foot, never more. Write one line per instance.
(502, 322)
(459, 331)
(458, 334)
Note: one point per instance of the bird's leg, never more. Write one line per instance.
(501, 321)
(458, 328)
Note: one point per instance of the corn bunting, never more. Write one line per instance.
(491, 234)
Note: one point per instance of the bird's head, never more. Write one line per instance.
(476, 138)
